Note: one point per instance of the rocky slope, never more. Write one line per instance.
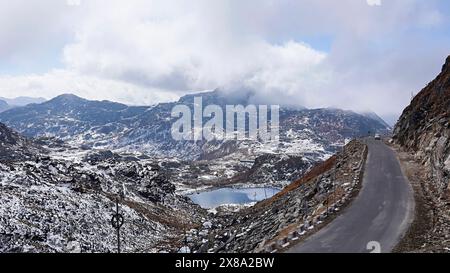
(14, 147)
(424, 128)
(51, 201)
(422, 137)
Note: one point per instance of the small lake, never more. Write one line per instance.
(215, 198)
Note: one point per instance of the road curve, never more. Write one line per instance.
(382, 211)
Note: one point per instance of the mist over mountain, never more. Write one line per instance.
(3, 105)
(22, 101)
(6, 104)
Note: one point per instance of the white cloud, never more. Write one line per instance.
(29, 27)
(179, 48)
(149, 51)
(57, 82)
(374, 2)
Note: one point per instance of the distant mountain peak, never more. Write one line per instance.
(446, 66)
(375, 116)
(22, 101)
(221, 97)
(113, 125)
(67, 98)
(4, 105)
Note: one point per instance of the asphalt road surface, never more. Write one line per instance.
(378, 217)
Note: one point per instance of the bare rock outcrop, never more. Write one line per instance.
(424, 128)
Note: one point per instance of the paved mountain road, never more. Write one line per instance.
(382, 211)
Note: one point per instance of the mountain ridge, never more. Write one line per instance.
(118, 126)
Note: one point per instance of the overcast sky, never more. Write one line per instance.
(352, 54)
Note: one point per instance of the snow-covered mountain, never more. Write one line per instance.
(307, 136)
(105, 124)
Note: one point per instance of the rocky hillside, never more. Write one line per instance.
(51, 201)
(69, 117)
(14, 147)
(424, 128)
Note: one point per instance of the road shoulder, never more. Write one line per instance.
(425, 233)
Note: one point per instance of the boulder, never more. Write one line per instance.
(73, 247)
